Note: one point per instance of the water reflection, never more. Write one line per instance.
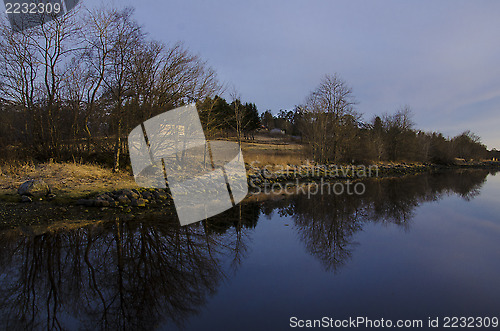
(117, 275)
(150, 272)
(327, 223)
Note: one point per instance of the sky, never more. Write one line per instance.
(440, 57)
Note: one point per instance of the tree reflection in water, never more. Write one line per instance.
(149, 272)
(134, 274)
(327, 223)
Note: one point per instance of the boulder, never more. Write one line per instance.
(34, 188)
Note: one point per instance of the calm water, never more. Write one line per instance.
(428, 246)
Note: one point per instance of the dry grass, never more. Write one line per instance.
(66, 180)
(273, 154)
(76, 180)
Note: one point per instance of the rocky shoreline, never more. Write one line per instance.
(257, 177)
(127, 198)
(41, 212)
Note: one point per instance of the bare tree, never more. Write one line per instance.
(399, 134)
(329, 122)
(35, 64)
(115, 40)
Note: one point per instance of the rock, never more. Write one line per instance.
(104, 196)
(122, 199)
(131, 194)
(25, 198)
(138, 203)
(146, 195)
(102, 203)
(34, 188)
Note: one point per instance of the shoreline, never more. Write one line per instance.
(124, 187)
(43, 216)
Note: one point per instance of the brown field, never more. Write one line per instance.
(273, 154)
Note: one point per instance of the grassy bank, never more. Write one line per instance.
(73, 181)
(68, 181)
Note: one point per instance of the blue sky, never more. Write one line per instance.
(442, 58)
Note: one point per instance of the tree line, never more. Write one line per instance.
(220, 118)
(334, 131)
(74, 87)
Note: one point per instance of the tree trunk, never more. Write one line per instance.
(116, 161)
